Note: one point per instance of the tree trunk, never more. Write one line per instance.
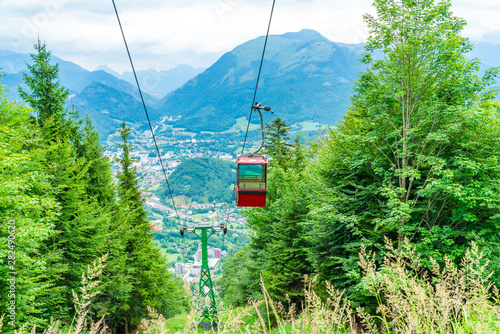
(126, 323)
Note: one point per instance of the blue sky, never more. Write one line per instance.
(162, 34)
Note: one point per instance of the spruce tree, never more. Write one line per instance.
(76, 239)
(150, 283)
(299, 155)
(99, 179)
(47, 96)
(277, 144)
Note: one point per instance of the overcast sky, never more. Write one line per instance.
(162, 34)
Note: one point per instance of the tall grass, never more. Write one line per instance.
(81, 323)
(452, 299)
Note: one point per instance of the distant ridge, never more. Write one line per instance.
(158, 83)
(108, 70)
(105, 98)
(305, 77)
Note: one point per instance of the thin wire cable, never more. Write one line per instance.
(258, 77)
(253, 100)
(147, 115)
(229, 209)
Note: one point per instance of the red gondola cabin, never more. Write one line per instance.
(251, 176)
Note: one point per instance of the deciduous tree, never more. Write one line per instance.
(416, 154)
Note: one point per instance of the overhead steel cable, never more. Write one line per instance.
(147, 115)
(254, 96)
(258, 77)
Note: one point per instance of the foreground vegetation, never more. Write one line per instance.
(60, 208)
(453, 299)
(416, 156)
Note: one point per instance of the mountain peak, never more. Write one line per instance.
(108, 70)
(305, 35)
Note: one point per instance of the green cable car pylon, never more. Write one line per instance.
(206, 301)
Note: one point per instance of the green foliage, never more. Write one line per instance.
(277, 144)
(299, 154)
(98, 178)
(47, 96)
(239, 283)
(59, 201)
(280, 235)
(137, 277)
(421, 127)
(28, 211)
(416, 156)
(204, 180)
(76, 229)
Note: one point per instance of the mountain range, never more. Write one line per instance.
(305, 77)
(106, 98)
(158, 83)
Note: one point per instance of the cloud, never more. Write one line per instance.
(163, 34)
(482, 18)
(193, 30)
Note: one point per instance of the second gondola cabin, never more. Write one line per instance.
(251, 180)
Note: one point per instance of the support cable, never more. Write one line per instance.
(258, 77)
(253, 100)
(147, 115)
(253, 103)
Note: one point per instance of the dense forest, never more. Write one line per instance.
(415, 162)
(61, 211)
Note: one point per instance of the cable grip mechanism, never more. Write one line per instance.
(258, 107)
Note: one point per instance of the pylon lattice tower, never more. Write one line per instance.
(206, 292)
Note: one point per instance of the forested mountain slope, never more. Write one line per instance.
(204, 180)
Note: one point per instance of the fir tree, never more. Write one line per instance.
(47, 97)
(277, 144)
(299, 156)
(99, 178)
(77, 236)
(149, 282)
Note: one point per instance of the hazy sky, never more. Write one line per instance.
(162, 34)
